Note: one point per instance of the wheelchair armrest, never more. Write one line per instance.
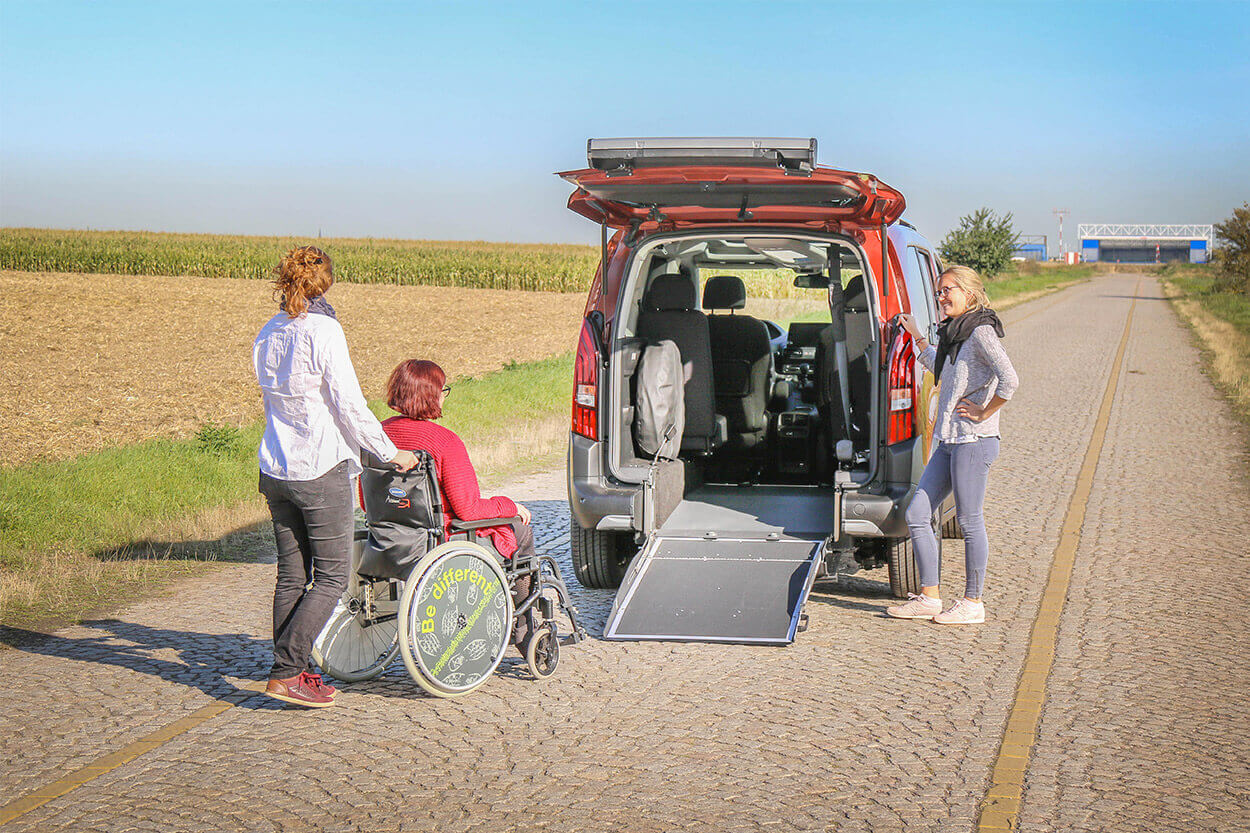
(464, 526)
(361, 534)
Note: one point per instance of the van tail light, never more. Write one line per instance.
(586, 385)
(902, 391)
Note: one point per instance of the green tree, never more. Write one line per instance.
(983, 241)
(1232, 261)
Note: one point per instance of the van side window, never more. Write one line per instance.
(918, 275)
(932, 271)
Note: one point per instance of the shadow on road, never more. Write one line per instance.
(203, 661)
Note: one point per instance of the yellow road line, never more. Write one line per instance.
(1000, 809)
(107, 763)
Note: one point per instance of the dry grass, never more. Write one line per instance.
(64, 586)
(1227, 347)
(93, 361)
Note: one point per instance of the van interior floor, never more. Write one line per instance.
(804, 512)
(728, 565)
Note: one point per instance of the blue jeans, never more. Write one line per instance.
(963, 468)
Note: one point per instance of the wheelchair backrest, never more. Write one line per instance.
(404, 512)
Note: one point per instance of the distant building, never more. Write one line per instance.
(1030, 251)
(1145, 243)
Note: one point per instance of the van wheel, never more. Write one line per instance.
(904, 574)
(952, 529)
(600, 557)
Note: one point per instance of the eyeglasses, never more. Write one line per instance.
(944, 291)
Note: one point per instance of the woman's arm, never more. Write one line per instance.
(990, 350)
(926, 352)
(992, 353)
(346, 400)
(977, 413)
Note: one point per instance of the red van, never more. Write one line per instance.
(719, 462)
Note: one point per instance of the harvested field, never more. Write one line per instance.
(92, 361)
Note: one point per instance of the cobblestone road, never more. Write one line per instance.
(864, 723)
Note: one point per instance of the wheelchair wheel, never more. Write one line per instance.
(351, 648)
(455, 618)
(542, 655)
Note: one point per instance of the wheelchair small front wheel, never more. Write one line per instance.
(542, 654)
(455, 618)
(352, 648)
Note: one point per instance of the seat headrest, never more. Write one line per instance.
(672, 292)
(724, 292)
(855, 296)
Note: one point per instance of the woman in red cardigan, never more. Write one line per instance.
(417, 390)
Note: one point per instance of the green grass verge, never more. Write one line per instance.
(95, 531)
(1024, 280)
(1219, 317)
(1199, 283)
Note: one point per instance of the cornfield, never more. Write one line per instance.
(527, 266)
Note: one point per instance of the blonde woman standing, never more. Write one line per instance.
(976, 380)
(316, 422)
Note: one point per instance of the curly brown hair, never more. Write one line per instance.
(303, 273)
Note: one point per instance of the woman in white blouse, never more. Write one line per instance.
(316, 422)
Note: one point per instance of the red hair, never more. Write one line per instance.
(415, 388)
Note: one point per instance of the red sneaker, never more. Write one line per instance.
(300, 691)
(325, 688)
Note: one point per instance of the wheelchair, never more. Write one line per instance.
(442, 602)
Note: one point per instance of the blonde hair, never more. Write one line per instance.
(304, 273)
(967, 279)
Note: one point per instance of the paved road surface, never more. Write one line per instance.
(864, 723)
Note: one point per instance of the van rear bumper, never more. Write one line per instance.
(595, 501)
(867, 515)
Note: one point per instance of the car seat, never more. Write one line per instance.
(742, 362)
(669, 312)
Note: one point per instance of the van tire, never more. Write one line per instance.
(600, 557)
(952, 529)
(904, 574)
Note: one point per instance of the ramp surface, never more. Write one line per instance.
(729, 565)
(715, 591)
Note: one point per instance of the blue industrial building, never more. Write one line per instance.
(1145, 243)
(1030, 251)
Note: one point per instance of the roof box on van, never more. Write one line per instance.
(625, 154)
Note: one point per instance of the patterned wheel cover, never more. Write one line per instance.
(459, 620)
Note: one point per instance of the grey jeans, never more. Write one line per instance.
(963, 468)
(313, 526)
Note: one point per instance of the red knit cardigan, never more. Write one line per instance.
(462, 497)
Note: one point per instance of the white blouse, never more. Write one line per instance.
(315, 413)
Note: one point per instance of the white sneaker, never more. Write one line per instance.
(962, 612)
(917, 607)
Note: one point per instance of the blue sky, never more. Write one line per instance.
(447, 120)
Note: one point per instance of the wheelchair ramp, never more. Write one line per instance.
(729, 565)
